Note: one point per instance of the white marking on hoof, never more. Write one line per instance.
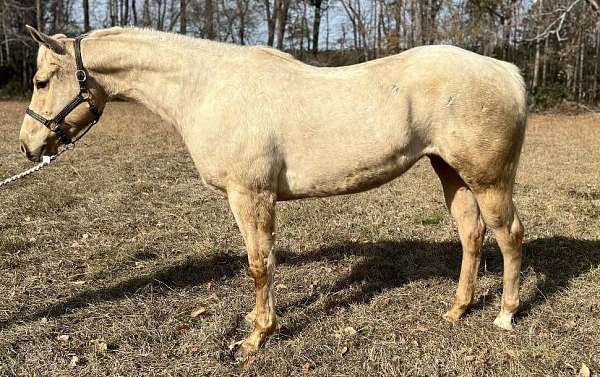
(504, 321)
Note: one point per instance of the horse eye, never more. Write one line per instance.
(41, 84)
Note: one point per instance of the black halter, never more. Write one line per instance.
(57, 124)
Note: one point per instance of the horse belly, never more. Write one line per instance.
(337, 177)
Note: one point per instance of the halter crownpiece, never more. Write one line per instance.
(57, 123)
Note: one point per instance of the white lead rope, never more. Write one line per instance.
(46, 160)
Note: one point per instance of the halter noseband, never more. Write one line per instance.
(56, 124)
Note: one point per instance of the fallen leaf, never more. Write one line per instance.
(27, 218)
(281, 286)
(350, 330)
(44, 320)
(469, 358)
(584, 371)
(511, 353)
(85, 236)
(197, 311)
(78, 282)
(422, 328)
(343, 351)
(183, 329)
(306, 368)
(63, 338)
(74, 361)
(570, 324)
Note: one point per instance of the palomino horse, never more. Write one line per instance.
(263, 127)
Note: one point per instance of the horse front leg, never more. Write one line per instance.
(254, 213)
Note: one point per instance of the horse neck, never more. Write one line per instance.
(158, 71)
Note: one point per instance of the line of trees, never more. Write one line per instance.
(555, 42)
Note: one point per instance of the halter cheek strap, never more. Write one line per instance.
(57, 124)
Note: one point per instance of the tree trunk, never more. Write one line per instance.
(545, 66)
(580, 93)
(316, 26)
(57, 19)
(327, 29)
(536, 67)
(596, 72)
(146, 13)
(39, 13)
(86, 15)
(282, 22)
(271, 20)
(242, 6)
(126, 12)
(121, 6)
(134, 12)
(414, 23)
(183, 17)
(209, 19)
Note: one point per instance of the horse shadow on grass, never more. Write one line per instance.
(380, 266)
(390, 264)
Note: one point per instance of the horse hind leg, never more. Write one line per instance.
(471, 230)
(500, 214)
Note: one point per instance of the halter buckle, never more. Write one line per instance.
(80, 75)
(53, 126)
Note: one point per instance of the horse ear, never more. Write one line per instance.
(52, 43)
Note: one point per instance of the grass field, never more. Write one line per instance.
(104, 255)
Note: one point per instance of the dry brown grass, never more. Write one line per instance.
(116, 244)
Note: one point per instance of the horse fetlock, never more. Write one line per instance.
(510, 305)
(456, 311)
(265, 325)
(258, 337)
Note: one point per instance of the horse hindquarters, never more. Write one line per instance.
(487, 163)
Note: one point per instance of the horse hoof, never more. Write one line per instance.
(504, 321)
(242, 352)
(453, 315)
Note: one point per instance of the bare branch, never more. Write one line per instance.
(556, 26)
